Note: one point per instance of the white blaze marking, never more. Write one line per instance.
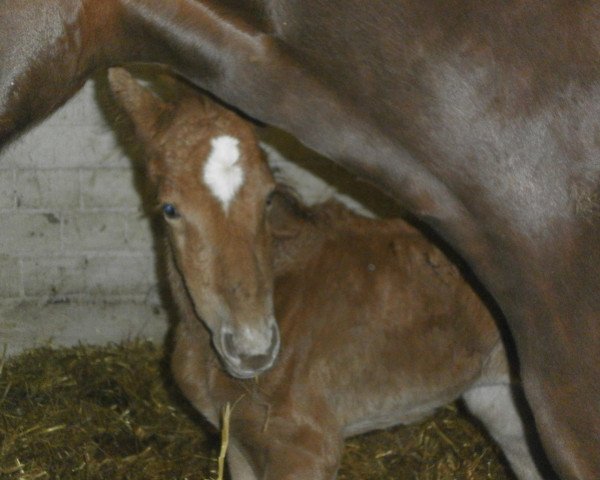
(222, 172)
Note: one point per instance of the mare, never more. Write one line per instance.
(378, 326)
(479, 116)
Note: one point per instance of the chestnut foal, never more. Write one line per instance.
(378, 327)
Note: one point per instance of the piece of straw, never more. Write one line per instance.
(224, 441)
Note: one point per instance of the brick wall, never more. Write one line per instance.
(71, 223)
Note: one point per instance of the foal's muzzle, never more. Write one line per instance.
(248, 351)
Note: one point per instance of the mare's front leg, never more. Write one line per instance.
(500, 406)
(496, 407)
(239, 466)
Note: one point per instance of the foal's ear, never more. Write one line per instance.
(143, 107)
(286, 214)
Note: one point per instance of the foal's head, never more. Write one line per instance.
(213, 187)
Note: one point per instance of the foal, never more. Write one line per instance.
(378, 327)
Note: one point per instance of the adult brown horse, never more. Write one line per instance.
(479, 116)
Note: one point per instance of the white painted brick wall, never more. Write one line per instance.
(71, 222)
(11, 284)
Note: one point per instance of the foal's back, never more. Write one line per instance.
(375, 316)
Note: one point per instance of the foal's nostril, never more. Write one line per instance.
(249, 362)
(229, 347)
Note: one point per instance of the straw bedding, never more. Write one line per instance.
(112, 413)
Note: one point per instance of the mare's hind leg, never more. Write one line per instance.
(496, 407)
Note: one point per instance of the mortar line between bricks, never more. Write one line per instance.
(80, 180)
(29, 210)
(43, 167)
(21, 279)
(83, 298)
(61, 232)
(14, 190)
(87, 254)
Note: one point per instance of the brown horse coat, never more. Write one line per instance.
(479, 116)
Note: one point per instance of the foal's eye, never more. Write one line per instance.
(170, 211)
(270, 197)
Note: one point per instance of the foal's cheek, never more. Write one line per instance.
(178, 237)
(180, 243)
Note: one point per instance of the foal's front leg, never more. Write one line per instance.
(239, 466)
(293, 446)
(283, 463)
